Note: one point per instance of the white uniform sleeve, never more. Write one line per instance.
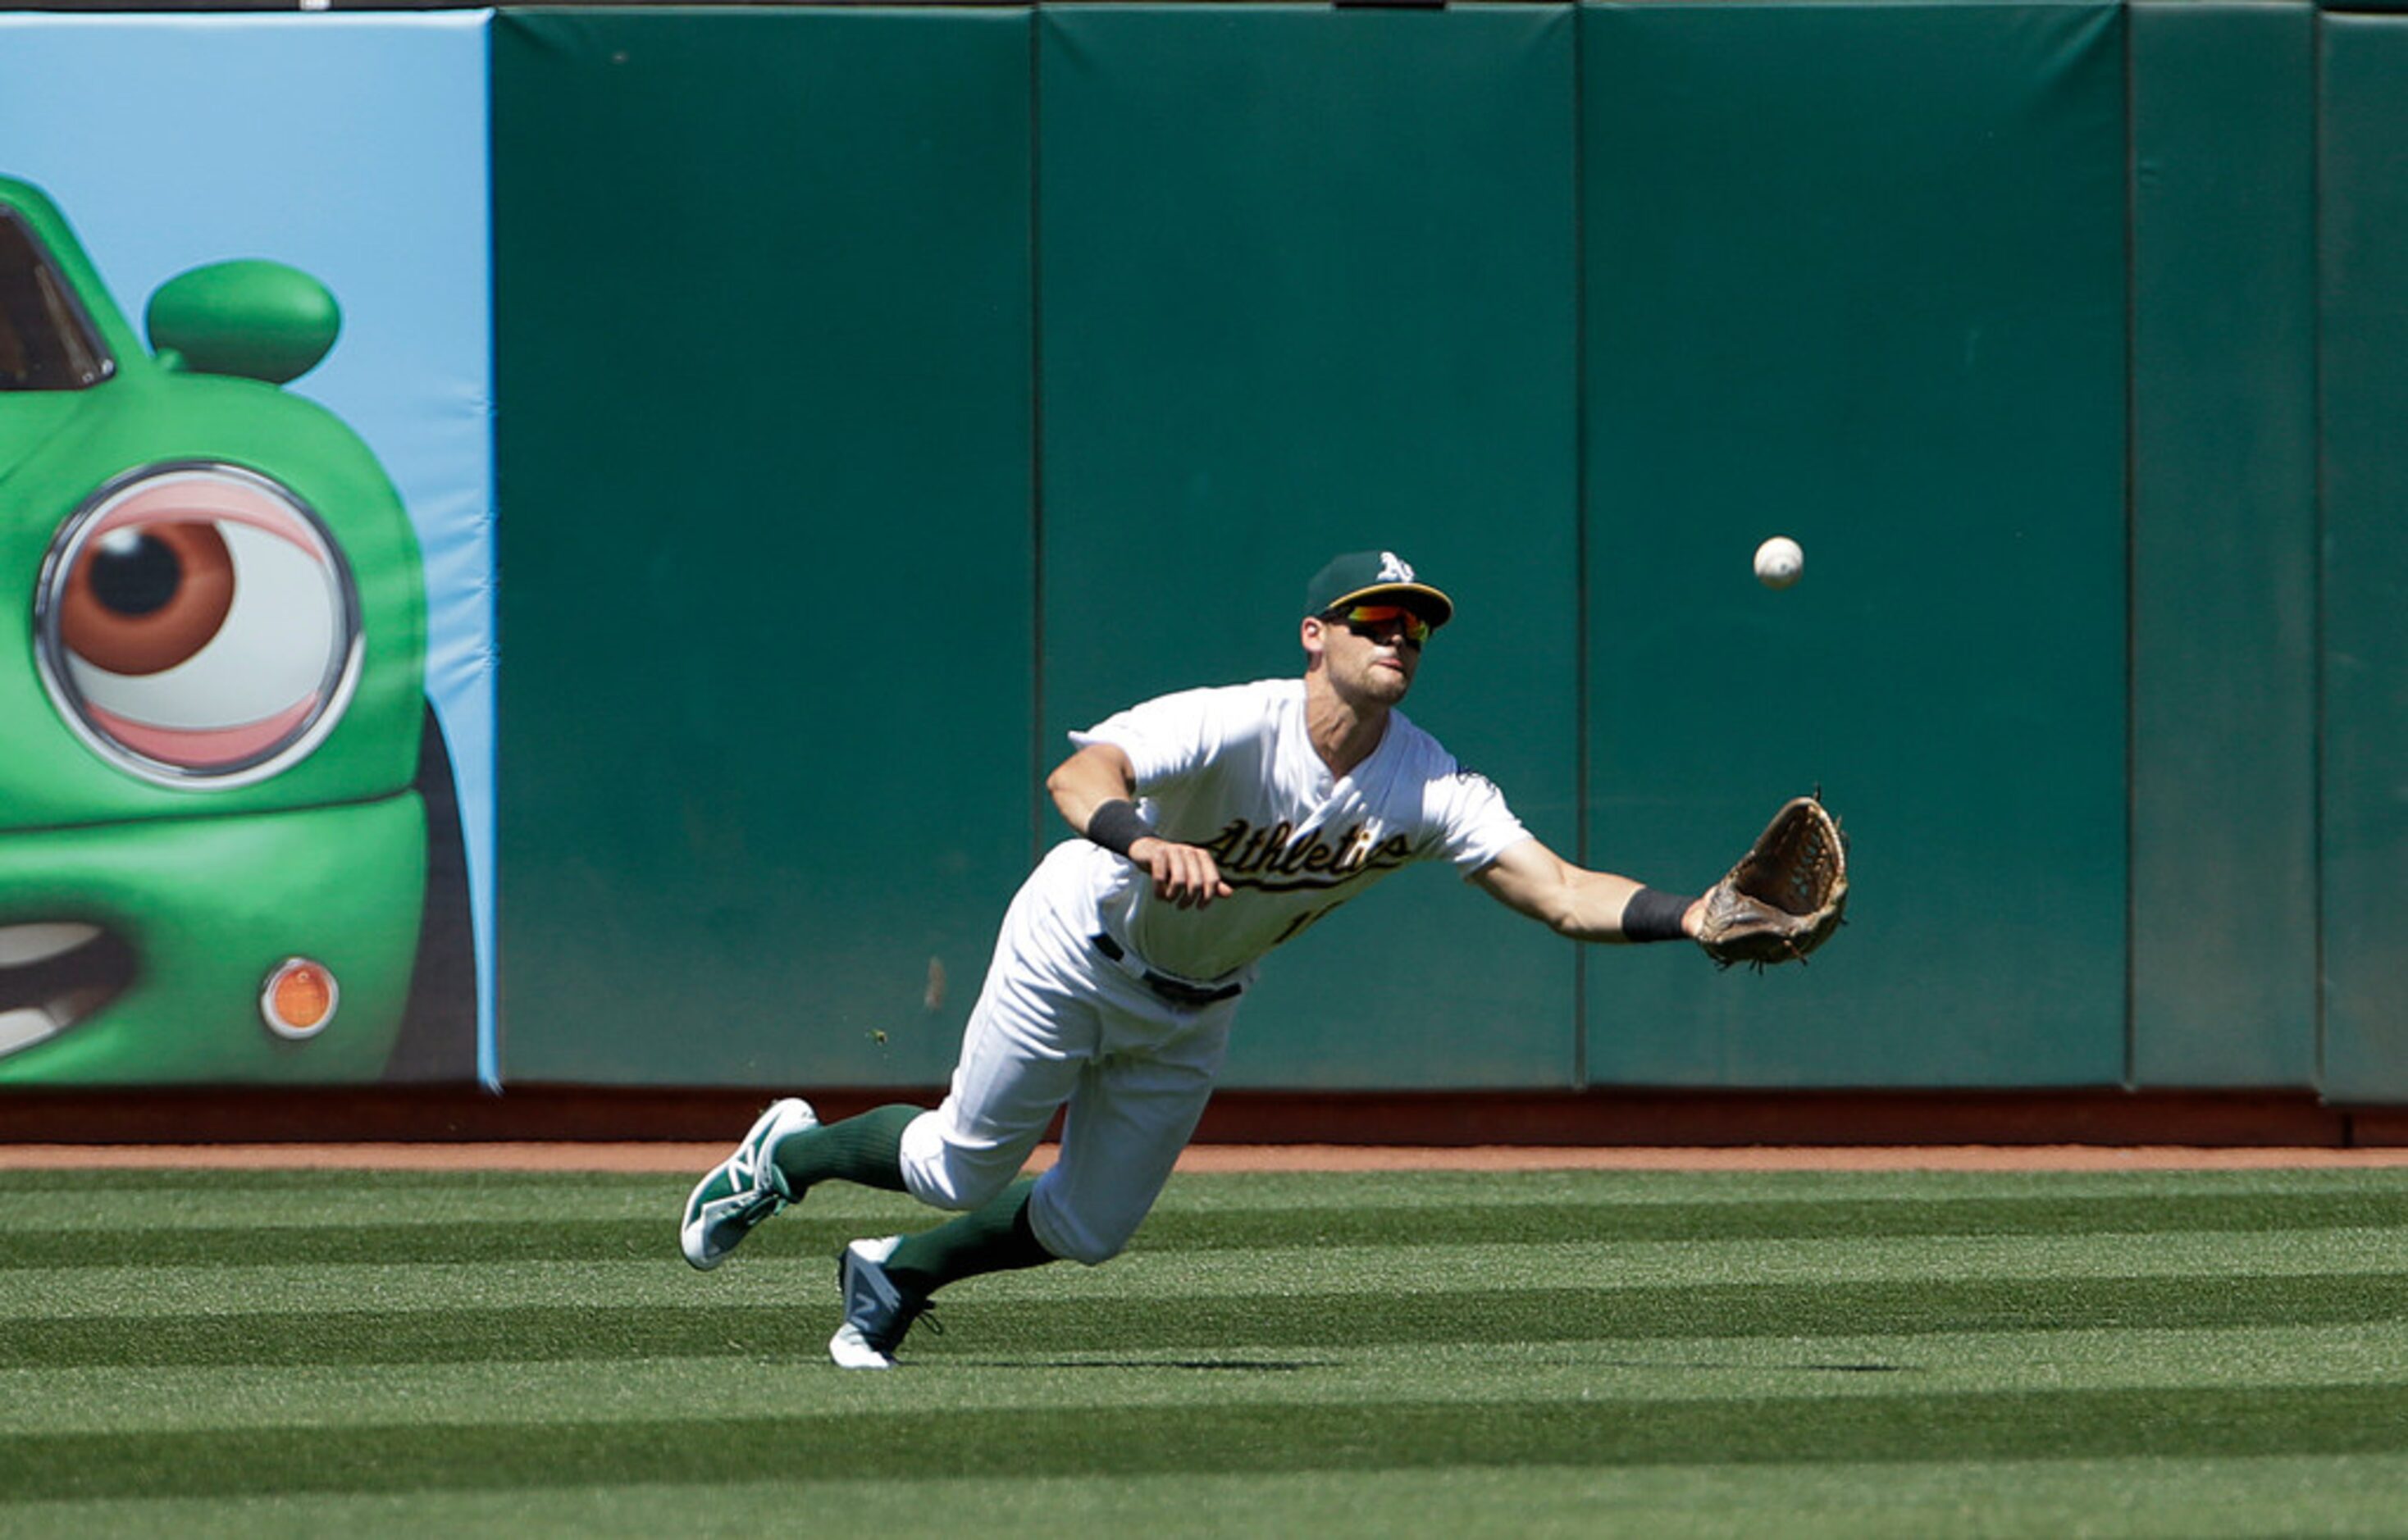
(1165, 738)
(1467, 819)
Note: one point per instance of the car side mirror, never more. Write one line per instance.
(259, 319)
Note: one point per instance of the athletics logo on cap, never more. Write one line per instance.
(1375, 576)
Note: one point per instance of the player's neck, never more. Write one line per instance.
(1344, 732)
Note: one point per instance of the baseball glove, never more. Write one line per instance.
(1785, 896)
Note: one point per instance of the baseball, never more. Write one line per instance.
(1778, 561)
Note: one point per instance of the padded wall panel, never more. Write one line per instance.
(2224, 532)
(1854, 273)
(764, 386)
(2363, 240)
(1307, 286)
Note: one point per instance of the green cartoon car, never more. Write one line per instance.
(219, 773)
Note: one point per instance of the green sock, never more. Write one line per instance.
(993, 1239)
(867, 1149)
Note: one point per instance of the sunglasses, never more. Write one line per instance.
(1368, 621)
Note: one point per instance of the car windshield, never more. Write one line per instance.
(46, 341)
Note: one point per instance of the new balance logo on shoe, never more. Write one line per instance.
(877, 1312)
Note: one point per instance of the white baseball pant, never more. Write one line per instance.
(1058, 1024)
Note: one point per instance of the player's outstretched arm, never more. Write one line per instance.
(1573, 901)
(1099, 779)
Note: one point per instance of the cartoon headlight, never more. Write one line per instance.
(198, 625)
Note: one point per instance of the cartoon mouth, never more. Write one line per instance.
(53, 977)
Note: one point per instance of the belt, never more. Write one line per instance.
(1179, 991)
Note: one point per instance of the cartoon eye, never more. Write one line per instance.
(198, 624)
(141, 600)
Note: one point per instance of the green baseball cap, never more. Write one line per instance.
(1371, 577)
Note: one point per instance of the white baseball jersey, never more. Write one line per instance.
(1232, 769)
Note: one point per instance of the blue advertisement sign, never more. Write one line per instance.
(245, 522)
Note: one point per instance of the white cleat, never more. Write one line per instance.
(877, 1310)
(742, 1190)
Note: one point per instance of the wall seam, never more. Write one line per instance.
(2317, 683)
(2131, 559)
(1036, 767)
(1581, 612)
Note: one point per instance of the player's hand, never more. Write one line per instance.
(1184, 875)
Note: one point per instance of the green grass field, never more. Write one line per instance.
(1561, 1353)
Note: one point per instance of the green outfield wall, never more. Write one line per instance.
(1310, 287)
(884, 393)
(2223, 528)
(1882, 310)
(766, 398)
(2362, 301)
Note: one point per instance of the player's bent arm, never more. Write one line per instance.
(1099, 774)
(1096, 775)
(1571, 901)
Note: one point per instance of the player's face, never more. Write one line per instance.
(1373, 654)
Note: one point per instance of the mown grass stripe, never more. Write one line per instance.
(539, 1238)
(1261, 1439)
(1368, 1276)
(1402, 1193)
(302, 1246)
(1830, 1219)
(1091, 1384)
(213, 1182)
(1268, 1323)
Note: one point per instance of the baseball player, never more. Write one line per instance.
(1215, 825)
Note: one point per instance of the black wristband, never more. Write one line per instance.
(1651, 916)
(1116, 826)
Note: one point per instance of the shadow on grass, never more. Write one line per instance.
(1752, 1366)
(1202, 1365)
